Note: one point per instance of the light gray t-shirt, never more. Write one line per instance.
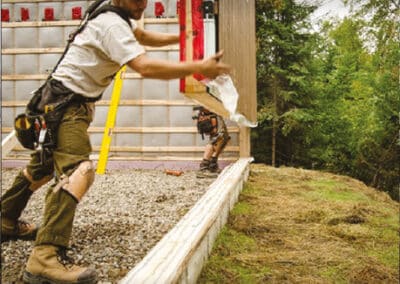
(97, 53)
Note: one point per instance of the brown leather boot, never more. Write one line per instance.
(213, 167)
(204, 171)
(50, 264)
(20, 229)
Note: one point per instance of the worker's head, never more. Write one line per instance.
(134, 7)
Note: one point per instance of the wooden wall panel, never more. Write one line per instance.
(134, 105)
(237, 37)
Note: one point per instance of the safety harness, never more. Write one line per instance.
(36, 129)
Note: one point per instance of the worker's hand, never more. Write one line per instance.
(213, 67)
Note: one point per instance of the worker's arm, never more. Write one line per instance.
(151, 38)
(164, 69)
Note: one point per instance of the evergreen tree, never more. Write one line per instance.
(285, 48)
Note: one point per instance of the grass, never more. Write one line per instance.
(297, 226)
(330, 190)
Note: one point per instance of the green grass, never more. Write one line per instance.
(330, 190)
(388, 256)
(233, 242)
(386, 232)
(241, 208)
(229, 262)
(334, 274)
(366, 252)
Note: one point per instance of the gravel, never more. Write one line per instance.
(124, 214)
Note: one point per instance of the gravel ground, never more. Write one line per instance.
(124, 214)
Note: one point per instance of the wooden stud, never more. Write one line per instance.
(8, 144)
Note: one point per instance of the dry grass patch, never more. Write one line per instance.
(299, 226)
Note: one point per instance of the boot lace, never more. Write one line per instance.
(63, 258)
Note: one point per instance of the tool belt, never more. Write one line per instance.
(207, 122)
(36, 129)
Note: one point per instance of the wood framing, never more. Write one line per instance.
(61, 49)
(238, 40)
(66, 23)
(120, 129)
(153, 106)
(156, 149)
(8, 144)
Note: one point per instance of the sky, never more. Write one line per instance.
(330, 8)
(327, 9)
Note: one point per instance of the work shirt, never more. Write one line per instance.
(97, 53)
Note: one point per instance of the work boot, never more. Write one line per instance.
(213, 167)
(20, 229)
(50, 264)
(204, 171)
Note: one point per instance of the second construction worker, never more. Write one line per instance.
(213, 126)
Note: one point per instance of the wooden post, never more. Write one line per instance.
(236, 34)
(8, 144)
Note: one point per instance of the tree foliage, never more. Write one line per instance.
(330, 99)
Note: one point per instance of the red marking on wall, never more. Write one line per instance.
(77, 13)
(198, 33)
(24, 14)
(48, 14)
(5, 15)
(182, 39)
(178, 3)
(159, 9)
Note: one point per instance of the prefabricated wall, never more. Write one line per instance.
(154, 121)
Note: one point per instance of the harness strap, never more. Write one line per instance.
(92, 12)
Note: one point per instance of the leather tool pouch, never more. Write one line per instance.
(207, 122)
(38, 126)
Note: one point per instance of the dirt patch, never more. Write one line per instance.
(372, 273)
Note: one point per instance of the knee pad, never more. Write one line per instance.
(36, 184)
(78, 183)
(220, 141)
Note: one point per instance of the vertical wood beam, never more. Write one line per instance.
(236, 33)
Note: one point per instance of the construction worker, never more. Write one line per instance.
(106, 42)
(212, 125)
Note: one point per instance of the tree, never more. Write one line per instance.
(284, 94)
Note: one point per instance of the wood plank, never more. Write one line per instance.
(8, 143)
(121, 129)
(130, 158)
(181, 253)
(22, 77)
(61, 49)
(153, 149)
(66, 23)
(37, 24)
(122, 103)
(194, 89)
(237, 38)
(244, 142)
(209, 102)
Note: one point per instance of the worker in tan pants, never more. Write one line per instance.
(102, 47)
(213, 126)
